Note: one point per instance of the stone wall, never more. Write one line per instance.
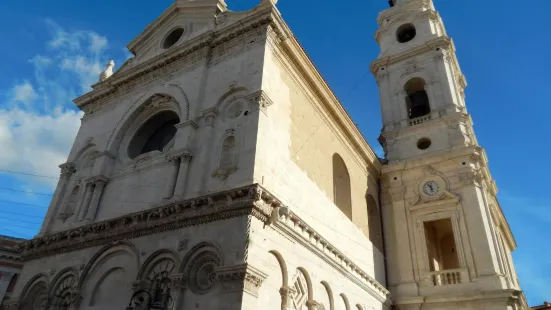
(296, 141)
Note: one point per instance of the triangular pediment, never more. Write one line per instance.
(194, 17)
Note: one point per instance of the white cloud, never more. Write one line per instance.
(36, 143)
(98, 43)
(38, 121)
(24, 93)
(87, 70)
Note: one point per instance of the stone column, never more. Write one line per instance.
(175, 166)
(185, 158)
(99, 184)
(178, 290)
(67, 170)
(83, 209)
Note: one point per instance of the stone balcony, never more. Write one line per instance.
(445, 277)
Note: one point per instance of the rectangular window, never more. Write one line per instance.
(441, 247)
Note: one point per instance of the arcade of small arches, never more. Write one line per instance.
(114, 274)
(299, 291)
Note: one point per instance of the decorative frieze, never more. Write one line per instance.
(249, 200)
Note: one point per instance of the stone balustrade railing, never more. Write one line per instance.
(419, 120)
(446, 277)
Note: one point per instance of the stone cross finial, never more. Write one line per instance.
(108, 71)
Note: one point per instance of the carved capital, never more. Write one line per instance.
(397, 193)
(75, 298)
(184, 157)
(209, 116)
(179, 281)
(241, 278)
(474, 177)
(156, 101)
(312, 304)
(67, 169)
(259, 101)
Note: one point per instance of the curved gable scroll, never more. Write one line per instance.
(135, 112)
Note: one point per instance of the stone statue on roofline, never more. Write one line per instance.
(108, 71)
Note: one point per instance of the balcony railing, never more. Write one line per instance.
(419, 120)
(445, 277)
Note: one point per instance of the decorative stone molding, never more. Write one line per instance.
(67, 169)
(11, 304)
(259, 101)
(292, 225)
(241, 278)
(170, 216)
(155, 102)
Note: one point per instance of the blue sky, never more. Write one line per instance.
(52, 53)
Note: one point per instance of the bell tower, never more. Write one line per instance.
(447, 241)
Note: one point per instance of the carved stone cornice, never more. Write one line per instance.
(242, 277)
(440, 42)
(197, 47)
(248, 200)
(293, 226)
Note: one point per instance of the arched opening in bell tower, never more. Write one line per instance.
(441, 246)
(417, 100)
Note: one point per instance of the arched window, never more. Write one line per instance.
(72, 201)
(227, 156)
(341, 186)
(374, 223)
(417, 100)
(154, 135)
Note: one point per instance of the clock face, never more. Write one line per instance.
(431, 188)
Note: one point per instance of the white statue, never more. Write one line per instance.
(108, 71)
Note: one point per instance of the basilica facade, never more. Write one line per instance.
(216, 169)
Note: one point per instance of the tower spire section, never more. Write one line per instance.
(446, 237)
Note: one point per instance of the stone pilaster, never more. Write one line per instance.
(178, 289)
(184, 158)
(175, 167)
(67, 170)
(205, 153)
(99, 185)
